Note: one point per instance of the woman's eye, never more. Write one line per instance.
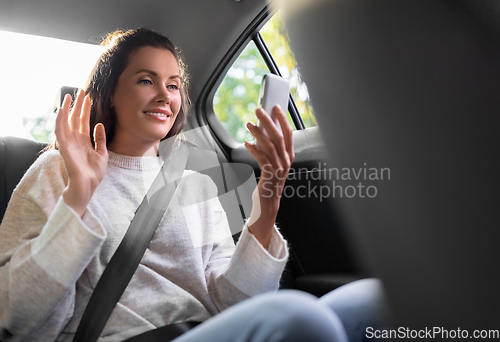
(146, 82)
(173, 87)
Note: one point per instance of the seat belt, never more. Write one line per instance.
(164, 334)
(127, 257)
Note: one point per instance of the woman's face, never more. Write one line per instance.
(146, 100)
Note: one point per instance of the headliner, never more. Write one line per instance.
(203, 30)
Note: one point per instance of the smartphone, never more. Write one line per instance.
(274, 90)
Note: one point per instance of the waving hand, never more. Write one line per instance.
(85, 164)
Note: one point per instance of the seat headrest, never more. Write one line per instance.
(61, 93)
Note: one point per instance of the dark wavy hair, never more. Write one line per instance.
(101, 84)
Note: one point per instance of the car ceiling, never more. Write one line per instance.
(204, 30)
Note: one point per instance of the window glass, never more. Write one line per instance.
(236, 98)
(276, 37)
(33, 69)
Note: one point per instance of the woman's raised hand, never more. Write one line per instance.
(275, 156)
(85, 164)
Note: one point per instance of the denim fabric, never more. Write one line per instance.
(293, 316)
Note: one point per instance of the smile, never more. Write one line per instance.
(158, 114)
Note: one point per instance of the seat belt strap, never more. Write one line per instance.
(164, 334)
(127, 257)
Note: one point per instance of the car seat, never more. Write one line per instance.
(413, 86)
(16, 156)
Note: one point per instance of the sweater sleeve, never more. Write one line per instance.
(235, 274)
(44, 248)
(254, 269)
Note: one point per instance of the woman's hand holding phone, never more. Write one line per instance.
(85, 164)
(275, 155)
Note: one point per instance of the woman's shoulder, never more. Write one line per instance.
(48, 157)
(49, 161)
(48, 171)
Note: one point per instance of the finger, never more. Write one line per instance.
(76, 112)
(266, 146)
(275, 135)
(62, 118)
(267, 173)
(259, 156)
(85, 117)
(287, 130)
(267, 123)
(100, 139)
(271, 128)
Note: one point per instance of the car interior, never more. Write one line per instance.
(405, 95)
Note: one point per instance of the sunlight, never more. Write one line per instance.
(32, 69)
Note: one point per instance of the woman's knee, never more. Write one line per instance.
(362, 295)
(285, 316)
(359, 305)
(298, 316)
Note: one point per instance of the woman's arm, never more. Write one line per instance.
(44, 248)
(255, 266)
(275, 156)
(45, 243)
(235, 274)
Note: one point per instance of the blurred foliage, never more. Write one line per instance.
(41, 128)
(236, 98)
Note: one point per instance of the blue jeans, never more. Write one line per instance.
(289, 315)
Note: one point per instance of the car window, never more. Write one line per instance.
(236, 98)
(33, 69)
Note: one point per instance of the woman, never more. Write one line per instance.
(72, 208)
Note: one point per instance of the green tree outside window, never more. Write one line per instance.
(236, 98)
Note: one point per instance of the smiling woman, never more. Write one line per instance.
(33, 68)
(134, 98)
(146, 100)
(72, 207)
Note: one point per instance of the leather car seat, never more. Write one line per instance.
(16, 156)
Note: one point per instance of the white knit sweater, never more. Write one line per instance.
(51, 260)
